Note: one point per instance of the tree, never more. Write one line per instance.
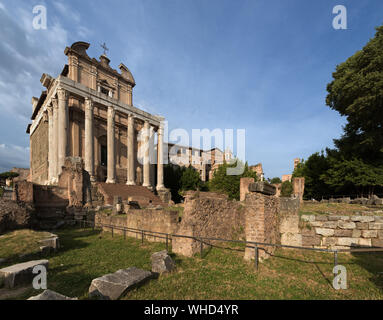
(275, 180)
(172, 180)
(190, 179)
(8, 175)
(230, 184)
(287, 189)
(357, 93)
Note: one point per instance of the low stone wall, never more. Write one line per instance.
(341, 232)
(15, 215)
(158, 220)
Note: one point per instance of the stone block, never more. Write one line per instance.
(321, 218)
(365, 242)
(330, 224)
(380, 234)
(348, 242)
(343, 233)
(316, 223)
(329, 241)
(291, 239)
(362, 218)
(377, 243)
(289, 224)
(51, 295)
(325, 232)
(20, 274)
(263, 187)
(369, 233)
(375, 226)
(309, 241)
(308, 232)
(162, 262)
(356, 233)
(346, 225)
(362, 225)
(336, 218)
(308, 217)
(114, 285)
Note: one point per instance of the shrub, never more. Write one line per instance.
(287, 189)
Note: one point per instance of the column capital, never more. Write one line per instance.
(54, 103)
(62, 94)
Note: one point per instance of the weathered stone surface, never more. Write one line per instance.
(325, 232)
(356, 233)
(362, 218)
(362, 225)
(348, 241)
(263, 187)
(343, 233)
(329, 241)
(291, 239)
(346, 225)
(377, 243)
(336, 218)
(289, 224)
(375, 226)
(114, 285)
(308, 232)
(316, 223)
(321, 218)
(51, 295)
(52, 242)
(20, 274)
(365, 242)
(162, 262)
(308, 217)
(309, 241)
(380, 234)
(369, 233)
(330, 224)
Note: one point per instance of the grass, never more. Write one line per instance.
(337, 209)
(221, 274)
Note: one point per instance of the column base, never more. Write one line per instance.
(130, 183)
(160, 187)
(93, 179)
(111, 181)
(146, 185)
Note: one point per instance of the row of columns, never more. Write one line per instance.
(58, 143)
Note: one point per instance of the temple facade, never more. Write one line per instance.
(88, 112)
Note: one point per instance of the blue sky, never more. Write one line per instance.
(259, 65)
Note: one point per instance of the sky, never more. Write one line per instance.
(258, 65)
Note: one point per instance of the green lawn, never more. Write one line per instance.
(221, 274)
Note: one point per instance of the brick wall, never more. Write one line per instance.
(341, 232)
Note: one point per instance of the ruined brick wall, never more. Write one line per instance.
(289, 221)
(23, 191)
(15, 215)
(262, 223)
(299, 187)
(158, 220)
(39, 153)
(341, 232)
(208, 214)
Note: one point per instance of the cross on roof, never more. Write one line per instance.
(104, 47)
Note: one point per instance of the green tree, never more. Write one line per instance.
(287, 189)
(8, 175)
(190, 179)
(275, 180)
(172, 180)
(357, 93)
(230, 184)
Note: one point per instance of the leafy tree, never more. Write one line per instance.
(357, 93)
(172, 180)
(287, 189)
(275, 180)
(230, 184)
(190, 179)
(8, 175)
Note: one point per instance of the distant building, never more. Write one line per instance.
(258, 170)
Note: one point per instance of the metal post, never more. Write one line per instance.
(201, 249)
(142, 237)
(256, 257)
(167, 243)
(124, 234)
(112, 232)
(335, 258)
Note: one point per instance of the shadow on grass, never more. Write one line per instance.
(373, 263)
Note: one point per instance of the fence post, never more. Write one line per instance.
(201, 248)
(256, 257)
(167, 243)
(142, 237)
(124, 234)
(112, 232)
(335, 258)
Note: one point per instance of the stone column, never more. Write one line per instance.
(55, 140)
(63, 121)
(160, 158)
(130, 145)
(152, 158)
(89, 139)
(51, 163)
(146, 163)
(111, 144)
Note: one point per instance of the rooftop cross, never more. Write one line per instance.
(104, 47)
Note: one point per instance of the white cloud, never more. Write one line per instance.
(13, 156)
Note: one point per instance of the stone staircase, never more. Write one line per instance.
(138, 194)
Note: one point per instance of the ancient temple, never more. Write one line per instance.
(88, 112)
